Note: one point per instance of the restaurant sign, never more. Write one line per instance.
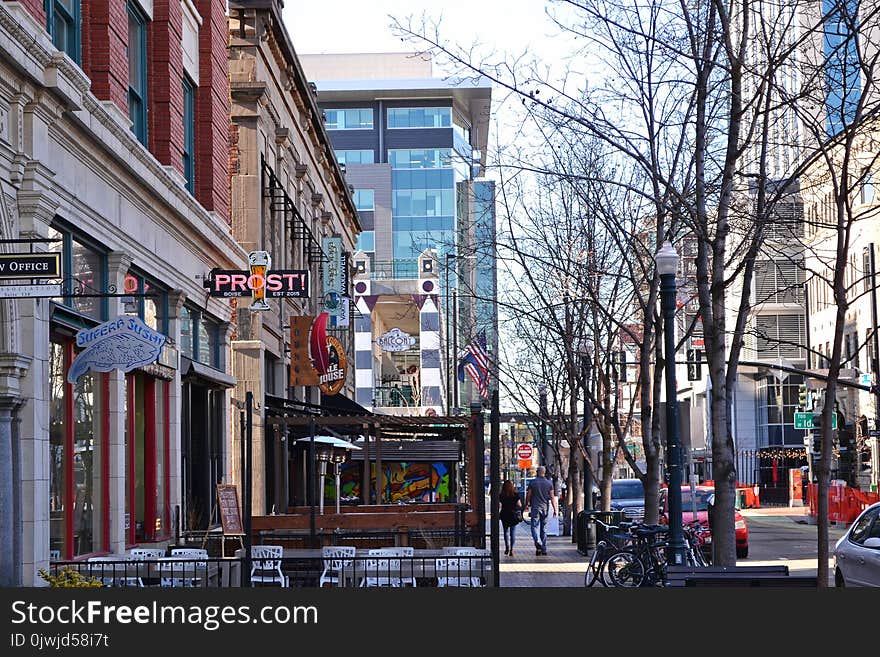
(396, 340)
(328, 357)
(123, 343)
(258, 282)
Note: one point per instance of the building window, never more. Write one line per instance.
(842, 73)
(366, 241)
(778, 401)
(78, 475)
(420, 158)
(199, 337)
(365, 199)
(189, 125)
(420, 117)
(137, 71)
(153, 309)
(348, 119)
(85, 269)
(367, 156)
(63, 25)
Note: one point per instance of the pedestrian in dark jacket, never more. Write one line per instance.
(510, 514)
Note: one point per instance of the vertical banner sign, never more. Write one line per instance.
(301, 371)
(335, 282)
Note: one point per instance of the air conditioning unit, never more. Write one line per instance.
(428, 286)
(361, 288)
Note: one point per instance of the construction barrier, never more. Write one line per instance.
(844, 503)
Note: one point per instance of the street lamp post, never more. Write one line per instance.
(667, 267)
(545, 448)
(588, 473)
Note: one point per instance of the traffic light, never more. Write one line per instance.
(803, 397)
(817, 443)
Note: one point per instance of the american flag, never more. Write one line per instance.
(475, 361)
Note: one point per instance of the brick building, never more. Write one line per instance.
(114, 125)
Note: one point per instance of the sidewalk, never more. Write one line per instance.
(562, 566)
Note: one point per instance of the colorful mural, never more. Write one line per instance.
(404, 482)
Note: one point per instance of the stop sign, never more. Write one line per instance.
(524, 451)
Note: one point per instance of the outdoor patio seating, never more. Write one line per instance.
(266, 565)
(336, 558)
(382, 569)
(111, 571)
(453, 571)
(145, 554)
(176, 573)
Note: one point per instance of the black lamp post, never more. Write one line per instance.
(545, 447)
(586, 356)
(667, 267)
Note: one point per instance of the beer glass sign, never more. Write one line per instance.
(259, 263)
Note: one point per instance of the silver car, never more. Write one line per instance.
(857, 553)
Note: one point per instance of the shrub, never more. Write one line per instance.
(68, 578)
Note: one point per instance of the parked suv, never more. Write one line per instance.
(628, 495)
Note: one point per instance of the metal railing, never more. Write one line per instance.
(163, 572)
(394, 269)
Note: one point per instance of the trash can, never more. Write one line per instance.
(581, 522)
(609, 518)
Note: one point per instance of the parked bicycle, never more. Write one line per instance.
(617, 537)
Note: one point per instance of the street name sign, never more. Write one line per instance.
(807, 420)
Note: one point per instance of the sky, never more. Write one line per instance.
(500, 30)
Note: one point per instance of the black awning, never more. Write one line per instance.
(204, 374)
(419, 451)
(342, 405)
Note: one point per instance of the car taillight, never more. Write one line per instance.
(740, 524)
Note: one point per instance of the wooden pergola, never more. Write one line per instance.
(400, 521)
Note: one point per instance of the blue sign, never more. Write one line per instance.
(123, 344)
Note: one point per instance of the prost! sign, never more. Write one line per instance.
(259, 282)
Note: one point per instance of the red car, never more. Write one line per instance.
(701, 502)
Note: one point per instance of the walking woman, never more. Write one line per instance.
(511, 514)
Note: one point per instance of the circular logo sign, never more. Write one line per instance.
(332, 381)
(524, 451)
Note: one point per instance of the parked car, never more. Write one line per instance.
(857, 553)
(703, 497)
(628, 495)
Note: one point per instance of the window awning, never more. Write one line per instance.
(190, 369)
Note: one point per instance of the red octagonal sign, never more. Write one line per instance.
(524, 451)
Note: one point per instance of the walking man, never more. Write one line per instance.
(539, 498)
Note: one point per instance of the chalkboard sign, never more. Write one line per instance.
(230, 518)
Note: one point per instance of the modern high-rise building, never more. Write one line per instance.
(413, 147)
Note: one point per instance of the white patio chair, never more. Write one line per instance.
(189, 553)
(461, 551)
(452, 571)
(145, 554)
(407, 566)
(380, 570)
(177, 573)
(266, 565)
(112, 574)
(336, 558)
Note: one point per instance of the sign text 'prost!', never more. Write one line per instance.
(279, 283)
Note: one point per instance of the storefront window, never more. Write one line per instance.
(186, 333)
(146, 458)
(151, 309)
(76, 452)
(207, 342)
(85, 274)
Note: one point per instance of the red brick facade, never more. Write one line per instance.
(166, 86)
(212, 110)
(35, 9)
(104, 38)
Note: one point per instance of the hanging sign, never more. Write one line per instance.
(30, 291)
(301, 371)
(335, 274)
(396, 340)
(328, 357)
(122, 344)
(258, 282)
(30, 265)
